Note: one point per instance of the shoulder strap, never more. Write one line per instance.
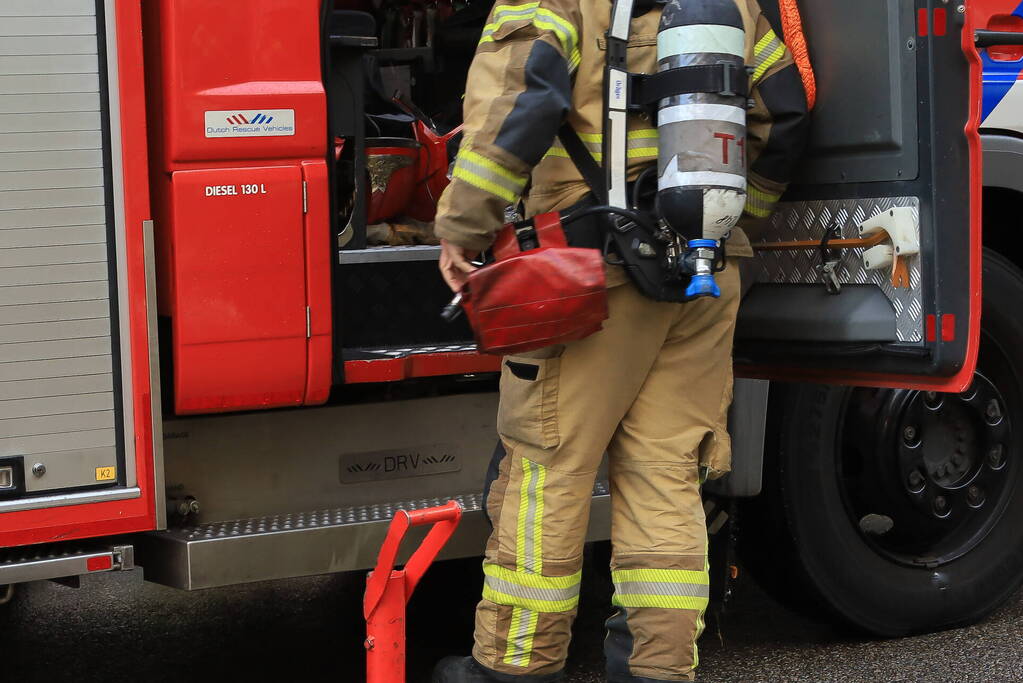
(584, 161)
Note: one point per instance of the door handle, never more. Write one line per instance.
(984, 38)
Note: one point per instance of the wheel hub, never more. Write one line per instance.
(953, 448)
(925, 475)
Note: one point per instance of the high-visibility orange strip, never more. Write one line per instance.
(795, 40)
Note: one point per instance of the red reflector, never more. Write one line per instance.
(98, 564)
(948, 327)
(932, 328)
(940, 21)
(921, 22)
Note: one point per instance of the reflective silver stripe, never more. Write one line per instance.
(701, 112)
(488, 175)
(712, 38)
(701, 178)
(520, 645)
(692, 590)
(532, 592)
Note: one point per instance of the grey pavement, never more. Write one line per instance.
(118, 628)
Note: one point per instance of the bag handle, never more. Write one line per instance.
(549, 233)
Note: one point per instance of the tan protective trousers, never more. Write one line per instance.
(652, 389)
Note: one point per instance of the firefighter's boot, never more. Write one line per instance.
(468, 670)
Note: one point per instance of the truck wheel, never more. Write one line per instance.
(900, 509)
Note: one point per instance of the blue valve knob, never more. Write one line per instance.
(702, 285)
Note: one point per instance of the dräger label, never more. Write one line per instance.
(250, 123)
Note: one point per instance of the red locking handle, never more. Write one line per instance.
(444, 519)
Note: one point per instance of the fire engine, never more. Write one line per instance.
(221, 358)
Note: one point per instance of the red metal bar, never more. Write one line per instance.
(388, 589)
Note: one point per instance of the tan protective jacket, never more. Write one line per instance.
(542, 60)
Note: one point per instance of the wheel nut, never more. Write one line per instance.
(932, 400)
(993, 411)
(996, 456)
(909, 434)
(940, 505)
(916, 480)
(975, 495)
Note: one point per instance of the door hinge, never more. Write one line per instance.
(308, 323)
(305, 197)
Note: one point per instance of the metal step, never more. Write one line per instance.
(38, 563)
(309, 543)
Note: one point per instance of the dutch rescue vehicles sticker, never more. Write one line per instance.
(250, 123)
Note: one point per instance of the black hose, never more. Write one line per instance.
(633, 216)
(638, 185)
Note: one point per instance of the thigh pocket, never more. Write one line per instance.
(528, 411)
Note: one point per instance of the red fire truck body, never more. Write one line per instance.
(209, 367)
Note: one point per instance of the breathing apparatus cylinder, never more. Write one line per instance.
(701, 161)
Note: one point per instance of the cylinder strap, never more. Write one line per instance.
(795, 40)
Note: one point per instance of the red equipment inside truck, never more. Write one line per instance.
(253, 373)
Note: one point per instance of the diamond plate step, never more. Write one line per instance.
(310, 542)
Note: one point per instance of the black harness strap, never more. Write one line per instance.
(584, 161)
(726, 79)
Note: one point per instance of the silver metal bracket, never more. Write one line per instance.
(59, 561)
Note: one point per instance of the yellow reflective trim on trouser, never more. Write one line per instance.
(520, 637)
(541, 478)
(769, 61)
(663, 601)
(548, 606)
(665, 588)
(488, 176)
(532, 580)
(528, 560)
(660, 576)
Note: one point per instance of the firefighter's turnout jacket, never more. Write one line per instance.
(542, 61)
(652, 389)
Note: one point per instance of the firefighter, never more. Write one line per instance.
(651, 389)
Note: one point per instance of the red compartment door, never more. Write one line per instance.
(240, 323)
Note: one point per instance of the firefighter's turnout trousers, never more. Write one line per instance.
(652, 389)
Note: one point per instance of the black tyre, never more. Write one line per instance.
(901, 510)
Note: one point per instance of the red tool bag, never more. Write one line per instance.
(527, 300)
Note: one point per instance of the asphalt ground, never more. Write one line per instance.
(118, 628)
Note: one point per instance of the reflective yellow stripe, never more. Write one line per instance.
(767, 63)
(660, 576)
(527, 602)
(642, 143)
(665, 588)
(520, 637)
(544, 20)
(566, 33)
(532, 580)
(520, 535)
(759, 203)
(764, 42)
(541, 477)
(488, 176)
(662, 601)
(533, 604)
